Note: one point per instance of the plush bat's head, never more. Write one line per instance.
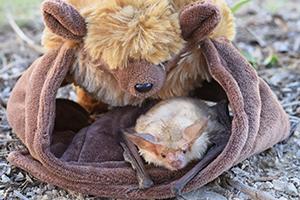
(132, 40)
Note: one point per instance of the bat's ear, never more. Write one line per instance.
(195, 130)
(198, 20)
(64, 20)
(143, 141)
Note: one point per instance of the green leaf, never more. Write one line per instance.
(236, 7)
(251, 59)
(271, 61)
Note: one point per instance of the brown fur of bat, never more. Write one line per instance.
(176, 131)
(128, 43)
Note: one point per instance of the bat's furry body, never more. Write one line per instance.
(120, 30)
(165, 126)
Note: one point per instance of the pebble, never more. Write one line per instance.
(19, 177)
(291, 189)
(206, 196)
(4, 179)
(39, 191)
(282, 198)
(46, 197)
(203, 194)
(30, 194)
(266, 185)
(296, 181)
(288, 188)
(279, 185)
(298, 154)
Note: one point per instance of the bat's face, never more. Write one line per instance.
(134, 39)
(169, 150)
(173, 159)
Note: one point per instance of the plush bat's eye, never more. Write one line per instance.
(163, 155)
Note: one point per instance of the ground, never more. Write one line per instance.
(268, 35)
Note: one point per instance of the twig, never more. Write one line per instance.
(22, 35)
(6, 68)
(2, 102)
(20, 196)
(267, 178)
(260, 41)
(296, 103)
(251, 192)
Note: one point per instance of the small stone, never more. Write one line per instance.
(204, 194)
(279, 185)
(291, 189)
(19, 177)
(298, 154)
(266, 185)
(30, 194)
(5, 179)
(38, 191)
(288, 188)
(296, 181)
(45, 197)
(8, 170)
(282, 198)
(284, 179)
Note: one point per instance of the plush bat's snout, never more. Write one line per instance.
(140, 78)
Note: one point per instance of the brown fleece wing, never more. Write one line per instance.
(255, 125)
(64, 20)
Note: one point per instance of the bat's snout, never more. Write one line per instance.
(178, 164)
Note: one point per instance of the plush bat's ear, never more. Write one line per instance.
(143, 141)
(194, 131)
(198, 20)
(64, 20)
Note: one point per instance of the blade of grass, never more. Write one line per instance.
(236, 7)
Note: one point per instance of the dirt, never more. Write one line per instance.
(268, 35)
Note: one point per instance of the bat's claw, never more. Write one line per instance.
(178, 188)
(146, 183)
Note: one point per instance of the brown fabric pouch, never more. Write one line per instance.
(66, 150)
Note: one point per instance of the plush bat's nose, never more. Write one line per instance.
(143, 87)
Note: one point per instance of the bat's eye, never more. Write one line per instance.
(184, 151)
(163, 155)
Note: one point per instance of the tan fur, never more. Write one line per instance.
(140, 30)
(100, 84)
(119, 30)
(175, 125)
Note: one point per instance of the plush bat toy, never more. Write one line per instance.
(130, 50)
(133, 50)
